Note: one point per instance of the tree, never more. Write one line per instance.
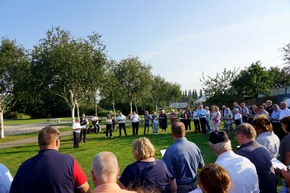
(253, 81)
(67, 67)
(134, 79)
(279, 76)
(286, 53)
(218, 88)
(13, 70)
(110, 88)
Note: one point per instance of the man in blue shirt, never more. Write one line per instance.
(183, 158)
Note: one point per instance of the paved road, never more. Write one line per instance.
(21, 142)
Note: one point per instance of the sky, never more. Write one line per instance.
(181, 40)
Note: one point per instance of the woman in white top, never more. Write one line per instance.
(216, 117)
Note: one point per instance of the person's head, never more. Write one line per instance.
(243, 104)
(207, 108)
(120, 113)
(285, 123)
(77, 120)
(269, 103)
(142, 148)
(146, 112)
(254, 107)
(283, 105)
(236, 111)
(196, 108)
(108, 116)
(235, 104)
(105, 168)
(134, 112)
(48, 138)
(162, 111)
(178, 130)
(200, 106)
(154, 112)
(219, 142)
(275, 107)
(83, 115)
(262, 124)
(245, 133)
(217, 109)
(213, 178)
(224, 106)
(228, 110)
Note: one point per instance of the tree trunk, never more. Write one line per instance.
(2, 124)
(131, 108)
(78, 110)
(156, 108)
(114, 109)
(136, 109)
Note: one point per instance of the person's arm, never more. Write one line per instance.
(173, 186)
(85, 188)
(121, 185)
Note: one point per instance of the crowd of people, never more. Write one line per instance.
(261, 132)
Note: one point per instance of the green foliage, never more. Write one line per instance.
(253, 81)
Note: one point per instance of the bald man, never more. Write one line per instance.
(105, 172)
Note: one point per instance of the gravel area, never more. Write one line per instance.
(21, 129)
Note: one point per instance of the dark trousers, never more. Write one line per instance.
(96, 127)
(122, 126)
(189, 123)
(135, 127)
(146, 126)
(203, 125)
(185, 188)
(277, 128)
(196, 125)
(76, 139)
(245, 119)
(109, 129)
(237, 122)
(83, 135)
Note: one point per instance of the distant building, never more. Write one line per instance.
(178, 105)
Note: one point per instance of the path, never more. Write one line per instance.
(21, 129)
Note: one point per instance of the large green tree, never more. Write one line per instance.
(14, 70)
(252, 81)
(134, 79)
(218, 88)
(68, 67)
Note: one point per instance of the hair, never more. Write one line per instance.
(286, 121)
(47, 136)
(247, 130)
(178, 129)
(221, 147)
(143, 148)
(261, 122)
(105, 165)
(213, 178)
(217, 108)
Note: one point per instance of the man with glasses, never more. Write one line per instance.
(50, 171)
(285, 112)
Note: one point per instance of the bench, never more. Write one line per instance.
(54, 120)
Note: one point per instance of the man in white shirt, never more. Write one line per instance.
(242, 171)
(5, 179)
(76, 132)
(122, 121)
(285, 112)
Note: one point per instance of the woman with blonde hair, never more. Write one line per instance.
(147, 172)
(216, 118)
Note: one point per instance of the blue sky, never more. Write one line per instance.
(179, 39)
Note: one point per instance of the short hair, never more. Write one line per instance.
(247, 130)
(286, 121)
(261, 122)
(105, 165)
(47, 136)
(221, 147)
(213, 178)
(178, 129)
(143, 148)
